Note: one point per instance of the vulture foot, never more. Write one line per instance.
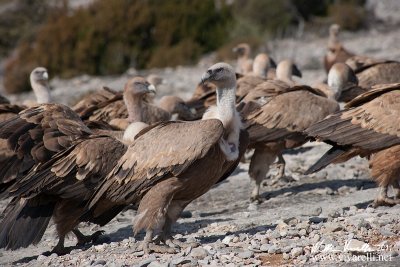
(256, 199)
(386, 201)
(85, 239)
(60, 250)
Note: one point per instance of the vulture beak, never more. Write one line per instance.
(296, 71)
(151, 88)
(45, 75)
(206, 76)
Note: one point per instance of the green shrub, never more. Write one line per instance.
(110, 36)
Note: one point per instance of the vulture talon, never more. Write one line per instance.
(85, 239)
(387, 201)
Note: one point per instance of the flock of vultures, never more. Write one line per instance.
(113, 149)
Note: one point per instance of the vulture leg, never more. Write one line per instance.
(84, 239)
(260, 162)
(153, 214)
(383, 200)
(396, 189)
(174, 211)
(281, 164)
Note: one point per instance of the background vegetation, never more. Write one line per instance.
(108, 37)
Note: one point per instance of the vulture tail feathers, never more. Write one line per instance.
(329, 157)
(25, 222)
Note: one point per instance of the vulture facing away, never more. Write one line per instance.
(163, 174)
(372, 71)
(369, 126)
(275, 115)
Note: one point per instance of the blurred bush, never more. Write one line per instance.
(108, 37)
(350, 14)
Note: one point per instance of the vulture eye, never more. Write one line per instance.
(219, 70)
(209, 72)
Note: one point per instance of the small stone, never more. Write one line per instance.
(100, 262)
(41, 257)
(297, 251)
(155, 264)
(316, 237)
(186, 214)
(344, 190)
(291, 221)
(246, 254)
(302, 232)
(227, 239)
(283, 233)
(331, 227)
(199, 253)
(273, 249)
(180, 260)
(100, 247)
(147, 261)
(335, 214)
(317, 219)
(265, 247)
(285, 256)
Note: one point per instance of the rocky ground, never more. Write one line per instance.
(322, 219)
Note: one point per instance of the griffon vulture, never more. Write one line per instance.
(368, 126)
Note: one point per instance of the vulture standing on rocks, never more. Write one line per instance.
(164, 174)
(70, 162)
(244, 62)
(372, 71)
(275, 115)
(336, 52)
(367, 127)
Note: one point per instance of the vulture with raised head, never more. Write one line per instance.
(244, 61)
(371, 71)
(275, 115)
(336, 52)
(368, 126)
(163, 174)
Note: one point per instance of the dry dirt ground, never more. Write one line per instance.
(321, 219)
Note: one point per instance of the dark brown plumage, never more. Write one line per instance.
(129, 106)
(275, 116)
(165, 179)
(371, 71)
(368, 126)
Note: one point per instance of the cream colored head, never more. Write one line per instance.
(262, 63)
(286, 69)
(340, 77)
(132, 130)
(39, 79)
(139, 86)
(334, 30)
(155, 80)
(242, 50)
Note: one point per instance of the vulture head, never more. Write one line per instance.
(139, 86)
(334, 30)
(262, 63)
(222, 75)
(132, 131)
(242, 49)
(341, 77)
(39, 79)
(286, 68)
(155, 80)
